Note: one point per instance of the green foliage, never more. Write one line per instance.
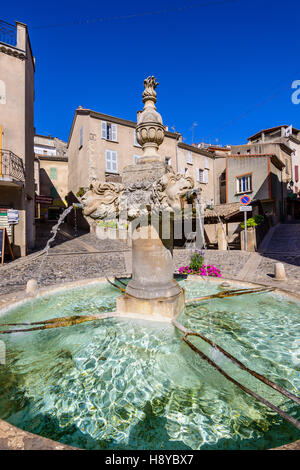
(196, 262)
(80, 192)
(108, 223)
(253, 221)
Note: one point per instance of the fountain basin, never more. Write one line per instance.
(115, 384)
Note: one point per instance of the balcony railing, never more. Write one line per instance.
(8, 33)
(11, 166)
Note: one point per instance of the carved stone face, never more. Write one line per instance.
(175, 187)
(101, 200)
(106, 200)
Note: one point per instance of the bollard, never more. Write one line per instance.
(31, 287)
(222, 242)
(279, 272)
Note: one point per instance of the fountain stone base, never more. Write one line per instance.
(170, 307)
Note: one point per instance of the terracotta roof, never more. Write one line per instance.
(251, 155)
(267, 131)
(192, 148)
(223, 210)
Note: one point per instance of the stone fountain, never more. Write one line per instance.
(149, 196)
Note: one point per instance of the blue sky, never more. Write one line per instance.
(226, 65)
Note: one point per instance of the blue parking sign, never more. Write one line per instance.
(245, 200)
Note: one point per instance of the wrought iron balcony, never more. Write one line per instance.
(8, 33)
(11, 166)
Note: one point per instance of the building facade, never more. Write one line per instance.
(287, 139)
(100, 146)
(17, 67)
(258, 175)
(51, 176)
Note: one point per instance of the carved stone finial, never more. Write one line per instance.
(149, 93)
(150, 130)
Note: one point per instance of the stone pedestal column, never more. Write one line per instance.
(152, 260)
(153, 290)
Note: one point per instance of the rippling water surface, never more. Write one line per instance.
(124, 384)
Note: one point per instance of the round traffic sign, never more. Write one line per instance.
(245, 200)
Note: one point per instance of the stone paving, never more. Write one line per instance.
(85, 256)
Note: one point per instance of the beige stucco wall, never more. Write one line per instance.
(258, 166)
(60, 183)
(88, 162)
(219, 167)
(78, 158)
(17, 122)
(271, 148)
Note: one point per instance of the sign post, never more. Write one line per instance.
(4, 239)
(245, 200)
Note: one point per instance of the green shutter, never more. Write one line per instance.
(53, 173)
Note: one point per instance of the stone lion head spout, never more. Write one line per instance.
(102, 200)
(170, 190)
(108, 200)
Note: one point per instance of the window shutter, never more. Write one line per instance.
(103, 129)
(205, 176)
(201, 175)
(189, 157)
(53, 173)
(114, 161)
(108, 160)
(206, 162)
(296, 173)
(114, 132)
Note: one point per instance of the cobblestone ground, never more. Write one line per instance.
(86, 257)
(284, 247)
(68, 260)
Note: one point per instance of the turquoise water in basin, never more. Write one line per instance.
(124, 384)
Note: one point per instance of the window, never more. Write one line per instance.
(111, 161)
(53, 173)
(184, 170)
(2, 92)
(244, 183)
(202, 176)
(108, 131)
(168, 160)
(81, 137)
(136, 144)
(135, 158)
(296, 173)
(189, 157)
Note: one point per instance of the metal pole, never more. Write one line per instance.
(245, 221)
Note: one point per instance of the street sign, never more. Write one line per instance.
(245, 200)
(44, 200)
